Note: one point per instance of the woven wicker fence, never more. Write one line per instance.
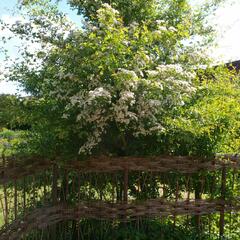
(21, 218)
(15, 168)
(44, 217)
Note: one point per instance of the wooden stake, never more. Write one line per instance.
(15, 199)
(176, 199)
(54, 184)
(24, 195)
(198, 196)
(5, 194)
(125, 187)
(79, 187)
(45, 188)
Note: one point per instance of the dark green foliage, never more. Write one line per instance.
(11, 113)
(142, 230)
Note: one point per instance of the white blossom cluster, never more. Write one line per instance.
(98, 92)
(134, 102)
(162, 28)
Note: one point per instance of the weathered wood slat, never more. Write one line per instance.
(18, 168)
(47, 216)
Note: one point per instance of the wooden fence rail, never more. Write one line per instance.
(47, 216)
(15, 168)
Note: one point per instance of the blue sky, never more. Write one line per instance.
(7, 10)
(227, 21)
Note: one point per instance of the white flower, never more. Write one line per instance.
(127, 96)
(157, 34)
(177, 68)
(126, 43)
(154, 103)
(65, 116)
(162, 28)
(109, 8)
(74, 100)
(157, 128)
(160, 22)
(127, 73)
(99, 92)
(172, 29)
(152, 73)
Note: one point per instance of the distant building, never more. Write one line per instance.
(234, 65)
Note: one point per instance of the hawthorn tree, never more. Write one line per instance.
(111, 85)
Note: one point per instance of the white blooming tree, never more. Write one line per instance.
(113, 82)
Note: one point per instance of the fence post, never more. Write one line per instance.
(65, 185)
(176, 200)
(198, 197)
(223, 196)
(24, 195)
(125, 194)
(125, 187)
(54, 184)
(5, 192)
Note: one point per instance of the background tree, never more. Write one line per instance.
(11, 113)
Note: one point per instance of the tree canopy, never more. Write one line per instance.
(125, 83)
